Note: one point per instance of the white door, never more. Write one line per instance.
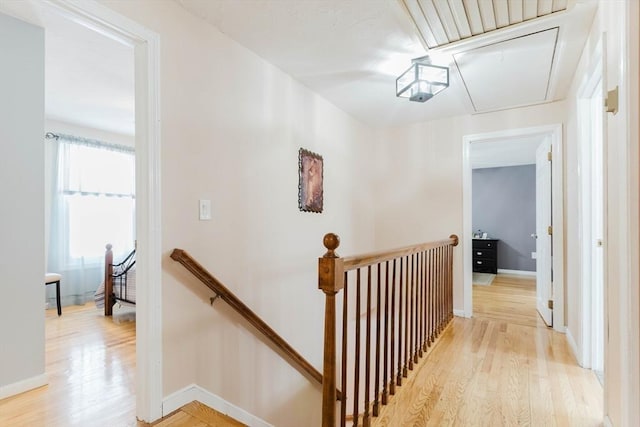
(591, 122)
(544, 286)
(597, 231)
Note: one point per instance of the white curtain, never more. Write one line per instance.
(92, 203)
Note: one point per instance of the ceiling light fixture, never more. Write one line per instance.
(422, 81)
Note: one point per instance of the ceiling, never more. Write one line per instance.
(351, 51)
(89, 78)
(441, 22)
(348, 51)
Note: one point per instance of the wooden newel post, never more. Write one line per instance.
(455, 238)
(108, 284)
(330, 281)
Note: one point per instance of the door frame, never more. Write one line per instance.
(595, 74)
(146, 45)
(554, 131)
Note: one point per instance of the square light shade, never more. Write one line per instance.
(422, 81)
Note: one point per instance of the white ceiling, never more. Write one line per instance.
(351, 52)
(89, 78)
(441, 22)
(348, 51)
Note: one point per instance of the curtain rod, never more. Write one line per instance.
(62, 137)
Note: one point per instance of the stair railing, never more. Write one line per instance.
(408, 300)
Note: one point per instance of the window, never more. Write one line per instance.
(96, 191)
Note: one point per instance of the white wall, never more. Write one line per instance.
(21, 206)
(232, 125)
(419, 177)
(619, 22)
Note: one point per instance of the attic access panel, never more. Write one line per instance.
(509, 73)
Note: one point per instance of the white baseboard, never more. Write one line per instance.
(517, 272)
(574, 347)
(24, 385)
(607, 421)
(459, 313)
(195, 392)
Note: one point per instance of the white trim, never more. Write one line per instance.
(555, 132)
(607, 421)
(195, 392)
(23, 385)
(574, 348)
(594, 76)
(516, 272)
(459, 313)
(146, 45)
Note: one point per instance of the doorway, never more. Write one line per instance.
(554, 134)
(149, 309)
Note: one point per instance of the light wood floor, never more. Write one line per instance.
(501, 368)
(90, 360)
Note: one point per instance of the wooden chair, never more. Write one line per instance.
(51, 278)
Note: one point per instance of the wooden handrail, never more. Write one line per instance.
(364, 260)
(225, 294)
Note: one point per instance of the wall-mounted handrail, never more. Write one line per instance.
(225, 294)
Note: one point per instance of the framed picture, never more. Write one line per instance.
(310, 175)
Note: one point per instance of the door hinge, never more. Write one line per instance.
(549, 156)
(550, 230)
(550, 304)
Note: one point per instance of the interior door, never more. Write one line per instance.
(544, 276)
(597, 230)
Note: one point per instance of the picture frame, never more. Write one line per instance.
(310, 181)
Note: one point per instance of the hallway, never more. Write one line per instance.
(501, 368)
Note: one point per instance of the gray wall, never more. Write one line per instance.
(504, 205)
(21, 205)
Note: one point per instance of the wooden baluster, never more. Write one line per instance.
(441, 287)
(449, 281)
(392, 352)
(406, 319)
(416, 317)
(376, 387)
(367, 365)
(330, 281)
(411, 299)
(444, 287)
(422, 278)
(439, 270)
(343, 367)
(425, 337)
(432, 315)
(401, 283)
(356, 373)
(387, 380)
(438, 291)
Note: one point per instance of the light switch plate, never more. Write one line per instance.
(205, 210)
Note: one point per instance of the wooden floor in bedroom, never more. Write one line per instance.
(91, 364)
(503, 367)
(90, 360)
